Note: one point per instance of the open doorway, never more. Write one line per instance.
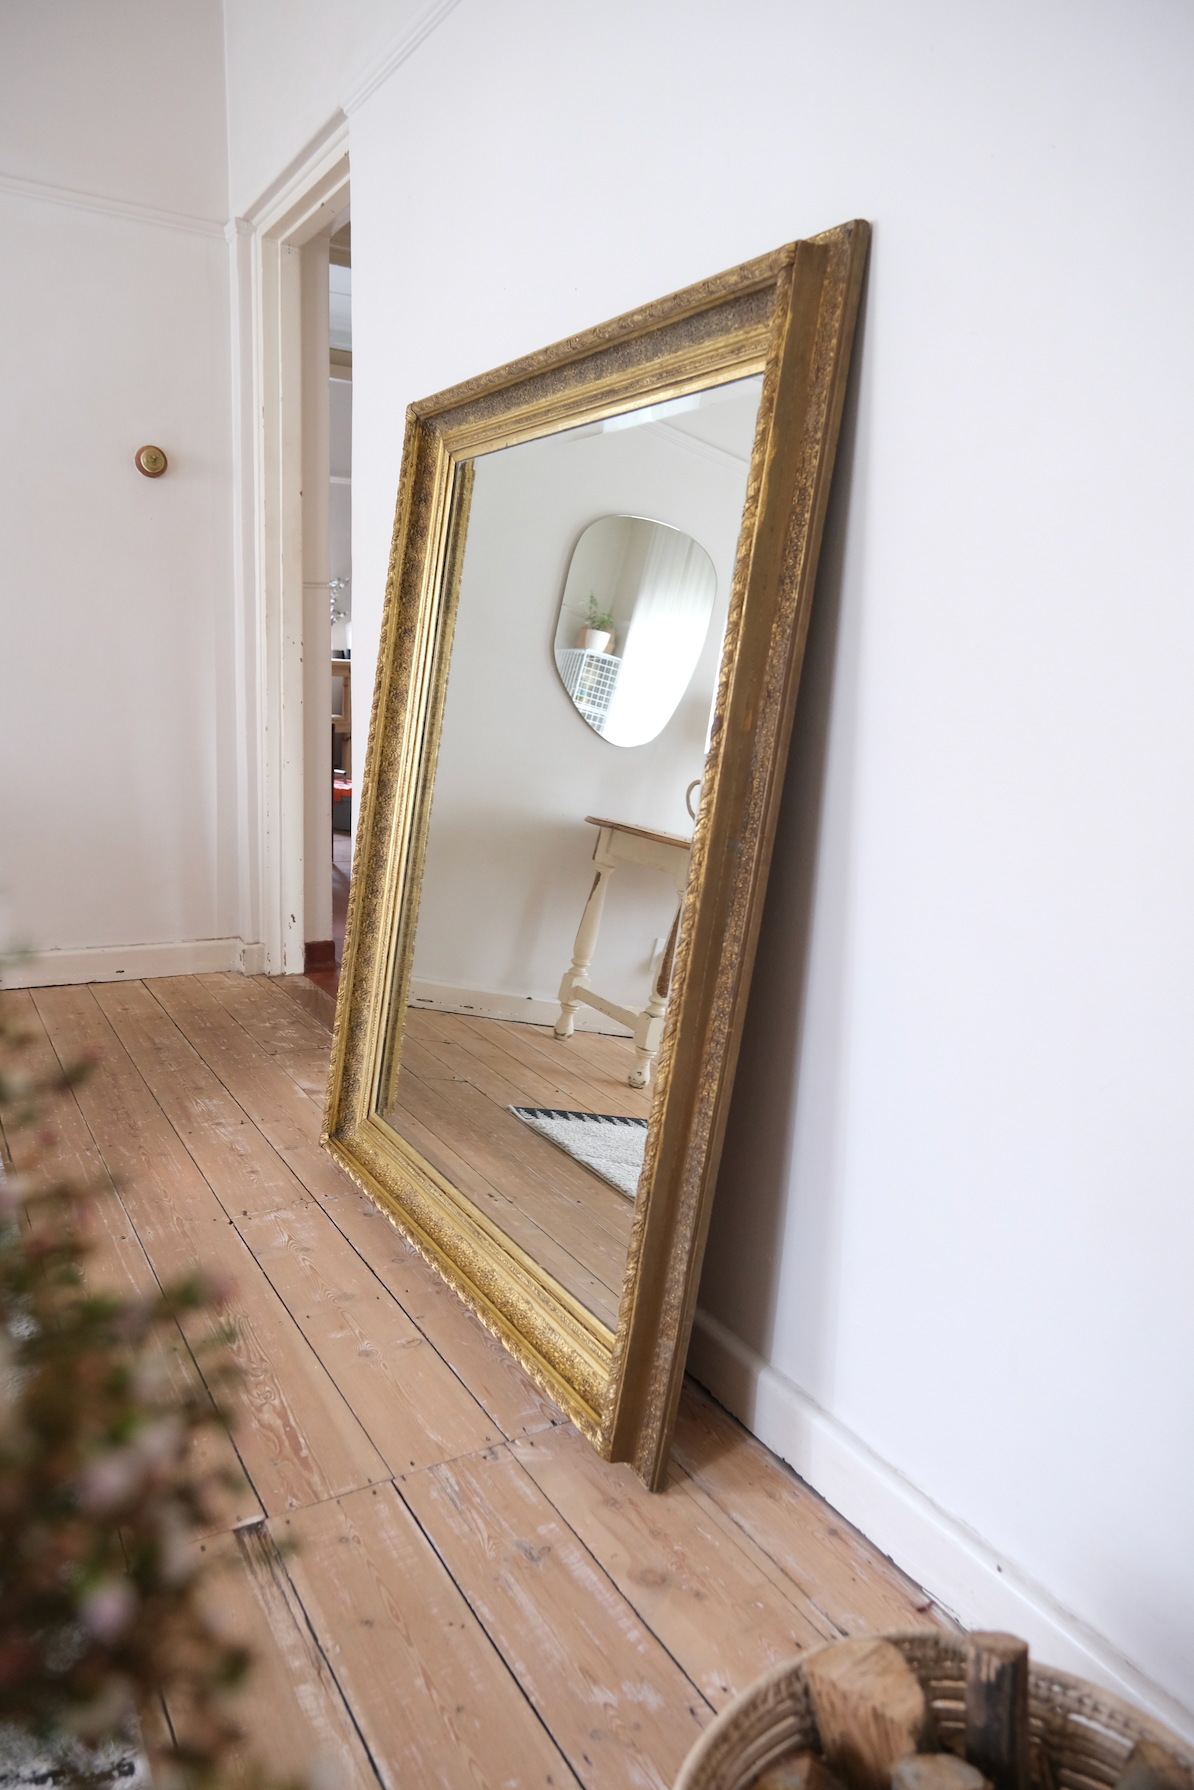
(282, 259)
(340, 566)
(327, 591)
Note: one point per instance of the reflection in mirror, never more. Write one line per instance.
(633, 620)
(537, 992)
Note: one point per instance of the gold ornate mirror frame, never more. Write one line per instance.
(790, 316)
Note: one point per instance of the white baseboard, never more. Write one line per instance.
(253, 960)
(486, 1003)
(130, 963)
(958, 1569)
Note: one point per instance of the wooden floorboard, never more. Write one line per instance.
(433, 1699)
(590, 1086)
(468, 1162)
(619, 1706)
(473, 1597)
(457, 1082)
(723, 1618)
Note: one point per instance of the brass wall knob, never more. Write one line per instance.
(151, 461)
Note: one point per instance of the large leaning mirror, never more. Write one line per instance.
(598, 594)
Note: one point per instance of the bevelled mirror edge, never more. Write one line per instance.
(790, 315)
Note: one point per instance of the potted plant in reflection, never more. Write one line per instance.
(597, 635)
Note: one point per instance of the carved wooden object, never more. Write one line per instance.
(997, 1708)
(1151, 1766)
(937, 1771)
(871, 1711)
(798, 1771)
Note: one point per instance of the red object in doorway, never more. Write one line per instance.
(319, 954)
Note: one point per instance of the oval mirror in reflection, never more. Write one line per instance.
(633, 620)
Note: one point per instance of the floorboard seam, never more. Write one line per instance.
(350, 1186)
(166, 1120)
(311, 1195)
(278, 1567)
(114, 1185)
(785, 1584)
(506, 1666)
(607, 1575)
(232, 1219)
(273, 1056)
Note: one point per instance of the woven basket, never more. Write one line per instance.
(1081, 1735)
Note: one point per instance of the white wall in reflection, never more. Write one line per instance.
(509, 854)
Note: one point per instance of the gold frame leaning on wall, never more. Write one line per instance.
(790, 316)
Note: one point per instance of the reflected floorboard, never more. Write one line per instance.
(459, 1077)
(415, 1636)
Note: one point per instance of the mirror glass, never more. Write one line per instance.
(554, 868)
(633, 619)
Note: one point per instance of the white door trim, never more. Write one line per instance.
(267, 397)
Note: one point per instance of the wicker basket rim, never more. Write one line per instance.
(1088, 1702)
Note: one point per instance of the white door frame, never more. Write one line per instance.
(267, 393)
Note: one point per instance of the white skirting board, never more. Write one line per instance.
(960, 1571)
(130, 963)
(487, 1003)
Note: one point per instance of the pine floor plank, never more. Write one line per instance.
(504, 1390)
(610, 1056)
(566, 1218)
(164, 1192)
(233, 1157)
(409, 1402)
(292, 1712)
(605, 1058)
(508, 1086)
(432, 1698)
(463, 1173)
(510, 1189)
(316, 999)
(619, 1707)
(842, 1574)
(506, 1050)
(524, 1167)
(297, 1040)
(275, 1021)
(483, 1161)
(121, 1262)
(298, 1440)
(288, 1116)
(587, 1087)
(465, 1051)
(117, 1261)
(720, 1615)
(297, 1433)
(264, 1088)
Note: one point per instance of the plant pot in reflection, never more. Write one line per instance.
(595, 640)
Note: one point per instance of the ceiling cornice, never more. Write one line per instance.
(403, 47)
(42, 193)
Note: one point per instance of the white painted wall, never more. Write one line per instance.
(509, 857)
(124, 101)
(120, 809)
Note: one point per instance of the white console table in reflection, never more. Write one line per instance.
(620, 843)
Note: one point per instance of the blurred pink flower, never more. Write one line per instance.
(108, 1609)
(111, 1480)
